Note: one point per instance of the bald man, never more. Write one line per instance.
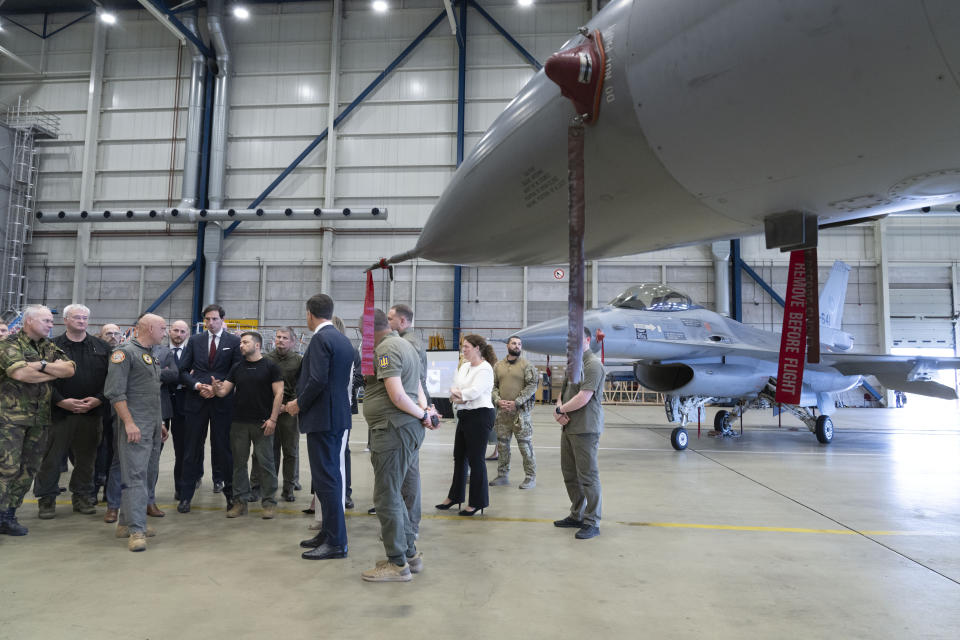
(133, 388)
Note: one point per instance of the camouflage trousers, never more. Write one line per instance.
(520, 425)
(21, 451)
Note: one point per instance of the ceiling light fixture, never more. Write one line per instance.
(525, 3)
(380, 6)
(107, 17)
(241, 12)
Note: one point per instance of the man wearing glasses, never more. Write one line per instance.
(77, 413)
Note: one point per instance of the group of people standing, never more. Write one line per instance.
(264, 401)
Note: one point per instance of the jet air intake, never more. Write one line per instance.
(717, 380)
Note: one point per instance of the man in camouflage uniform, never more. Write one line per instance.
(514, 391)
(29, 362)
(133, 388)
(287, 438)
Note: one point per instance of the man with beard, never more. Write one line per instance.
(514, 390)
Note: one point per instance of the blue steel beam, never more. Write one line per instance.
(12, 21)
(176, 283)
(873, 392)
(69, 24)
(199, 279)
(736, 280)
(461, 120)
(516, 45)
(323, 135)
(346, 112)
(763, 285)
(182, 28)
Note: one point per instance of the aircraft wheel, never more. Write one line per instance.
(824, 429)
(679, 438)
(721, 421)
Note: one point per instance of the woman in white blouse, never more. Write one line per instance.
(471, 395)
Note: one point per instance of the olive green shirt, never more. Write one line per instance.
(289, 364)
(26, 402)
(515, 381)
(134, 376)
(410, 336)
(392, 357)
(589, 418)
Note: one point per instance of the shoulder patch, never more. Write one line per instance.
(117, 357)
(147, 358)
(383, 362)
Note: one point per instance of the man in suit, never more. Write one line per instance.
(179, 332)
(323, 403)
(208, 355)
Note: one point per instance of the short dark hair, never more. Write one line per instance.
(587, 333)
(514, 336)
(256, 336)
(403, 311)
(321, 306)
(213, 307)
(287, 330)
(380, 320)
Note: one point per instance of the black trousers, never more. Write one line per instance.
(469, 447)
(195, 429)
(323, 449)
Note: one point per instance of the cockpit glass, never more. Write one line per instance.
(653, 297)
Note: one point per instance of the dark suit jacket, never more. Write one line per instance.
(169, 377)
(322, 390)
(194, 367)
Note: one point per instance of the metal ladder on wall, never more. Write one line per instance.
(28, 124)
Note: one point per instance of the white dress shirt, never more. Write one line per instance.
(475, 384)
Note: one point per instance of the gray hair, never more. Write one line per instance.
(289, 331)
(70, 308)
(32, 310)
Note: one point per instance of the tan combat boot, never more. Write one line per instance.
(238, 509)
(386, 571)
(123, 531)
(269, 511)
(137, 542)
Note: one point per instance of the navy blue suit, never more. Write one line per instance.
(194, 368)
(324, 403)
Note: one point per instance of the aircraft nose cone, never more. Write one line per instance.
(548, 337)
(579, 74)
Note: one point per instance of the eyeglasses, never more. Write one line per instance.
(112, 333)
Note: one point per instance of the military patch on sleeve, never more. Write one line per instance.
(147, 358)
(117, 357)
(383, 362)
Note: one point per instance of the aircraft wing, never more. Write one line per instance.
(904, 373)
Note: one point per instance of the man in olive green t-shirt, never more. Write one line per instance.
(396, 411)
(580, 415)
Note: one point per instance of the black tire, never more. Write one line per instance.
(721, 421)
(679, 438)
(824, 429)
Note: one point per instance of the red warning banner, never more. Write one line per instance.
(366, 356)
(793, 339)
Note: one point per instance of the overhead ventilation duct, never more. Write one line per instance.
(191, 154)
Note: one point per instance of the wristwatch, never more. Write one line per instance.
(425, 414)
(43, 365)
(559, 413)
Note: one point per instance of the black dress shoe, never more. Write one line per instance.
(217, 486)
(348, 504)
(296, 486)
(315, 541)
(568, 523)
(288, 496)
(308, 511)
(176, 496)
(325, 552)
(183, 506)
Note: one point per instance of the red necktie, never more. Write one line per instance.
(213, 349)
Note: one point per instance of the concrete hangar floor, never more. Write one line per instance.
(768, 536)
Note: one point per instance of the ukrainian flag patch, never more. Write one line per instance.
(383, 362)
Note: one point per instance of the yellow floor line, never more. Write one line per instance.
(660, 525)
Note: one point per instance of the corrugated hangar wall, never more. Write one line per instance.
(398, 149)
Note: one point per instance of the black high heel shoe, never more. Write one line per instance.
(446, 507)
(464, 512)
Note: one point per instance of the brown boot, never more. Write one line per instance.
(269, 511)
(110, 516)
(154, 511)
(137, 542)
(123, 531)
(238, 509)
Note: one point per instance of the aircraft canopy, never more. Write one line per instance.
(653, 297)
